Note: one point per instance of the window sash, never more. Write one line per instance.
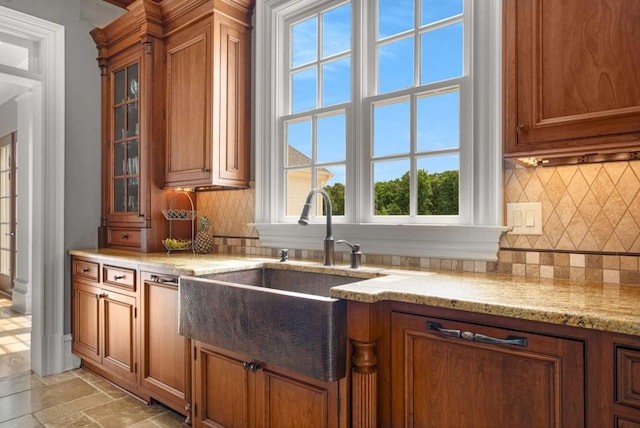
(477, 238)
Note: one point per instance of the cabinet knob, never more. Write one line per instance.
(522, 128)
(254, 367)
(103, 295)
(124, 236)
(205, 170)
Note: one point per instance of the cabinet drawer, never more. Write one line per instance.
(119, 277)
(87, 270)
(628, 376)
(124, 237)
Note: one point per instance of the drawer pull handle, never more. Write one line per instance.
(118, 277)
(85, 270)
(205, 170)
(103, 295)
(124, 236)
(476, 337)
(156, 278)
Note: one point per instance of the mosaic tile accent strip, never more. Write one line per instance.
(616, 269)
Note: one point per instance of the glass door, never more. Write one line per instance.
(126, 144)
(7, 212)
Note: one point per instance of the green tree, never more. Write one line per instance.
(437, 194)
(336, 194)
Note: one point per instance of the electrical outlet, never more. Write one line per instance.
(524, 218)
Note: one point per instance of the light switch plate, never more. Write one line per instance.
(524, 218)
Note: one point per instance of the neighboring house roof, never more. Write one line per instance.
(296, 158)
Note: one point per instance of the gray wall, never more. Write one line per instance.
(8, 118)
(82, 121)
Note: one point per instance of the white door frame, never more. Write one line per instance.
(40, 239)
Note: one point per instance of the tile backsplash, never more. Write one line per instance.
(230, 212)
(586, 208)
(590, 215)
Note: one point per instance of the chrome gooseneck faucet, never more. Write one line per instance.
(304, 220)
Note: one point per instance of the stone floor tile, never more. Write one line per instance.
(27, 421)
(19, 383)
(87, 376)
(123, 412)
(72, 421)
(65, 409)
(24, 403)
(144, 424)
(168, 419)
(108, 388)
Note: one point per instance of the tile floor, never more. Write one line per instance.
(76, 398)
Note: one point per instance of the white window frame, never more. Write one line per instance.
(477, 233)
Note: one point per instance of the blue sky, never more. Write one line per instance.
(437, 115)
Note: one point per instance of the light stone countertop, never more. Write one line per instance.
(608, 307)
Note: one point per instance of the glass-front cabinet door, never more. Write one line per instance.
(125, 184)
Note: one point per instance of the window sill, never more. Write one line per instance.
(439, 241)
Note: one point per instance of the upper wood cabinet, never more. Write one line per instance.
(130, 56)
(208, 96)
(571, 77)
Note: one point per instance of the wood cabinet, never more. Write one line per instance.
(234, 391)
(105, 332)
(165, 364)
(130, 56)
(208, 63)
(125, 328)
(450, 374)
(571, 82)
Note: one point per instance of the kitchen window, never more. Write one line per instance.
(392, 106)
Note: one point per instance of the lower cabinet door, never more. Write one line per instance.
(284, 401)
(221, 390)
(449, 374)
(86, 321)
(165, 359)
(119, 354)
(235, 392)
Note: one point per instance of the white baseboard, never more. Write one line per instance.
(70, 361)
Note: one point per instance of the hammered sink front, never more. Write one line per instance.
(280, 317)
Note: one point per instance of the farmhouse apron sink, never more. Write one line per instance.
(282, 317)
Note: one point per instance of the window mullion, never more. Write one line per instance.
(413, 148)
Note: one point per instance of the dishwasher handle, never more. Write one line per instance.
(476, 337)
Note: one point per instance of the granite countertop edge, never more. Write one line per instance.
(592, 305)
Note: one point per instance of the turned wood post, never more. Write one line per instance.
(364, 384)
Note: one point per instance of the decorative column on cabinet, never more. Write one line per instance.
(130, 56)
(364, 384)
(363, 332)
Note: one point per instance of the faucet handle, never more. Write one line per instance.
(356, 254)
(354, 247)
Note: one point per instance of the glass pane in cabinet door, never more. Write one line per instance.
(132, 157)
(118, 123)
(119, 197)
(118, 87)
(132, 119)
(118, 159)
(132, 82)
(132, 192)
